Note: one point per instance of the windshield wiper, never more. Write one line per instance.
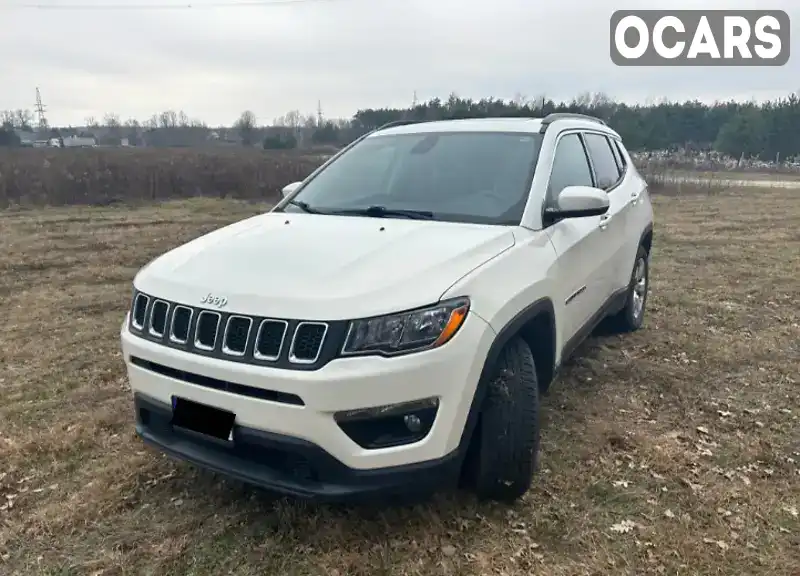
(304, 206)
(384, 212)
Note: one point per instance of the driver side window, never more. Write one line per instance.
(570, 167)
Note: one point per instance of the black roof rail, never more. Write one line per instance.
(394, 123)
(550, 118)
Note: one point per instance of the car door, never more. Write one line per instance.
(614, 224)
(634, 187)
(579, 283)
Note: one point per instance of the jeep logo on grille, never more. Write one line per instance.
(211, 300)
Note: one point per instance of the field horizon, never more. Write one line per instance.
(38, 177)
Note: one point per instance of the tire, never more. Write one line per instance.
(631, 317)
(505, 445)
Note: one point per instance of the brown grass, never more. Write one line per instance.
(685, 434)
(54, 177)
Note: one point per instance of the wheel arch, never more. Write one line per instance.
(537, 326)
(646, 238)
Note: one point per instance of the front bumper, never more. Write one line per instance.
(449, 373)
(288, 465)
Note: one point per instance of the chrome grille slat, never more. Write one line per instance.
(304, 359)
(140, 303)
(257, 349)
(226, 347)
(197, 342)
(151, 328)
(175, 311)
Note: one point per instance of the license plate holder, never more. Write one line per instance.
(203, 419)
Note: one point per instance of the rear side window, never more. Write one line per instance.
(617, 154)
(570, 166)
(605, 164)
(621, 152)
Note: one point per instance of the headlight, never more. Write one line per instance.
(407, 331)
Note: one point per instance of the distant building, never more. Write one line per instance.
(83, 141)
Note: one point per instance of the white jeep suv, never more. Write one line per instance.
(390, 325)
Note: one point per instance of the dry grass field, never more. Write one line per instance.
(103, 176)
(671, 451)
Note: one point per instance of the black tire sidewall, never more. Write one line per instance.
(508, 436)
(630, 317)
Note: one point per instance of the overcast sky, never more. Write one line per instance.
(213, 62)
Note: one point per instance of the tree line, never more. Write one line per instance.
(768, 131)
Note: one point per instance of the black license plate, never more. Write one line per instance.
(202, 419)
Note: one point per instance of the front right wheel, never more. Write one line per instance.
(504, 449)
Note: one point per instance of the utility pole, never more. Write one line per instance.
(40, 111)
(414, 100)
(319, 113)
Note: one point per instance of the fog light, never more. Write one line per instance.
(392, 425)
(413, 423)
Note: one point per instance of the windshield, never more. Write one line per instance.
(480, 177)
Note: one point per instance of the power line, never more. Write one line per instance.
(157, 6)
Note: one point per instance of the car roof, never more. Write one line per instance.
(511, 124)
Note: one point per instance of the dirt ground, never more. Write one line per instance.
(674, 450)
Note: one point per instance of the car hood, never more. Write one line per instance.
(317, 267)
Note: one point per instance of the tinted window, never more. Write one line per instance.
(620, 154)
(617, 155)
(478, 177)
(605, 165)
(570, 166)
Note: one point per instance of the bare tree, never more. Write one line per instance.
(309, 122)
(168, 119)
(583, 100)
(111, 120)
(152, 122)
(7, 119)
(538, 102)
(600, 99)
(246, 125)
(91, 122)
(24, 119)
(132, 129)
(520, 100)
(292, 119)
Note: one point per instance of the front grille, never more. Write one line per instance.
(139, 311)
(291, 344)
(181, 323)
(269, 340)
(307, 342)
(205, 336)
(237, 331)
(158, 318)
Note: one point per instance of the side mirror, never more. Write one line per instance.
(579, 202)
(289, 188)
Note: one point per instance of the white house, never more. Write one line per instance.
(74, 141)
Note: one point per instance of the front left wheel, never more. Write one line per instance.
(505, 446)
